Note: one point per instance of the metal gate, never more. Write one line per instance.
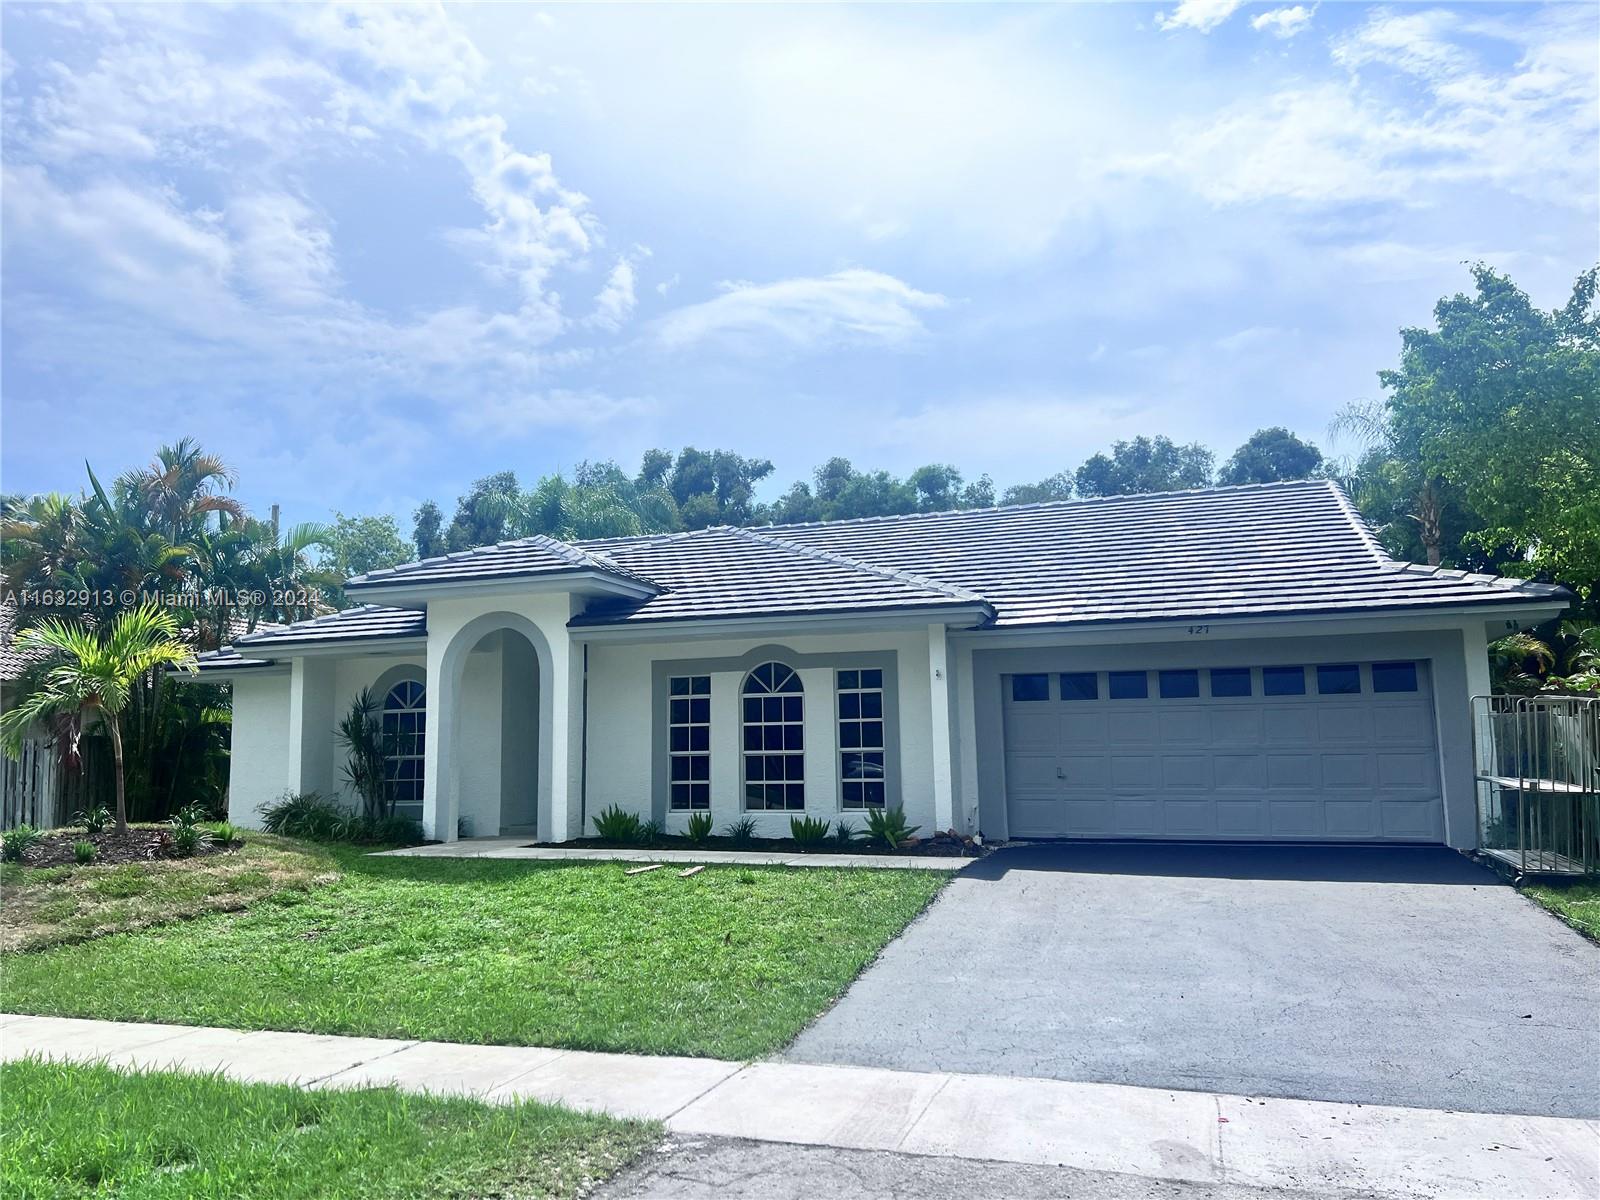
(1538, 773)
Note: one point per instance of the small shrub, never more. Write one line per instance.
(808, 832)
(188, 840)
(307, 815)
(650, 832)
(615, 824)
(845, 833)
(887, 826)
(94, 819)
(389, 831)
(699, 828)
(83, 852)
(190, 814)
(741, 832)
(18, 842)
(227, 834)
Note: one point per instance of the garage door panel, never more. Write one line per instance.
(1347, 771)
(1032, 728)
(1186, 772)
(1083, 726)
(1088, 817)
(1236, 771)
(1351, 818)
(1184, 726)
(1409, 724)
(1138, 816)
(1130, 726)
(1295, 818)
(1241, 818)
(1410, 819)
(1344, 723)
(1188, 818)
(1292, 772)
(1236, 725)
(1398, 769)
(1354, 766)
(1085, 771)
(1135, 772)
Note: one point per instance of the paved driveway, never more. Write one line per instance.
(1383, 975)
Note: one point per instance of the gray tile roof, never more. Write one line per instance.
(364, 622)
(1264, 550)
(725, 572)
(1225, 552)
(524, 557)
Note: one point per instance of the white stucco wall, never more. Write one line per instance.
(260, 749)
(621, 727)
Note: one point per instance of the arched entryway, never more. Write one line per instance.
(491, 705)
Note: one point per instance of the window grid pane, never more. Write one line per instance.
(1394, 677)
(689, 743)
(404, 724)
(862, 762)
(774, 739)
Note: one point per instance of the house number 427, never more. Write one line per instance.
(1199, 629)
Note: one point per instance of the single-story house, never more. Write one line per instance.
(1237, 663)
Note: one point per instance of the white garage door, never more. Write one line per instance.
(1321, 751)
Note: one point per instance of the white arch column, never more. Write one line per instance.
(453, 631)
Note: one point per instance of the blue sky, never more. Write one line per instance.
(370, 254)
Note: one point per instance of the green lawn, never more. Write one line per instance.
(1577, 904)
(78, 1131)
(729, 963)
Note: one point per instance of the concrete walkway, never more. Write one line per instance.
(1196, 1137)
(517, 847)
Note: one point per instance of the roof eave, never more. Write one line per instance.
(408, 593)
(963, 615)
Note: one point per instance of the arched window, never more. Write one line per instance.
(774, 739)
(405, 727)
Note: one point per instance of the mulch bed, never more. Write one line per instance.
(941, 845)
(111, 848)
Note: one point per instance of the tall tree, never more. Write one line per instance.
(1501, 404)
(427, 530)
(1270, 456)
(1145, 465)
(356, 545)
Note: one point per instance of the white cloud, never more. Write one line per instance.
(1204, 15)
(616, 301)
(1282, 22)
(849, 306)
(283, 252)
(1529, 128)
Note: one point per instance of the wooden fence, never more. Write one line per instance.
(34, 794)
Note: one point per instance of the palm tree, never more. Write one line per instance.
(1368, 425)
(97, 677)
(180, 489)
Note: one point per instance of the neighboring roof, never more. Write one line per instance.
(727, 573)
(530, 556)
(14, 660)
(1264, 549)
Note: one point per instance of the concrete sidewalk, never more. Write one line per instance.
(518, 848)
(1152, 1133)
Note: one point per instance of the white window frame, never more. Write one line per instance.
(696, 687)
(754, 689)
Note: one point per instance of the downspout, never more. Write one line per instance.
(583, 749)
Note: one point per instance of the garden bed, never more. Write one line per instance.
(941, 845)
(139, 844)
